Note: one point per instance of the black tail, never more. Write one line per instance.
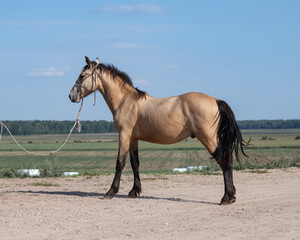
(229, 136)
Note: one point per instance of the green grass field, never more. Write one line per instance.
(97, 153)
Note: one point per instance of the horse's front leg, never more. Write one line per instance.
(134, 160)
(124, 142)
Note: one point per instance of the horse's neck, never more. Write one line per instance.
(113, 93)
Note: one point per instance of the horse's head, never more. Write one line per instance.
(86, 81)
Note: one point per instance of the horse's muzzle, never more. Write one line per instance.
(74, 98)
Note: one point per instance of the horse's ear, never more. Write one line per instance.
(97, 60)
(88, 62)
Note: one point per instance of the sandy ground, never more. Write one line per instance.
(170, 207)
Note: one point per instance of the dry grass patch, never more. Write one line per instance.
(44, 184)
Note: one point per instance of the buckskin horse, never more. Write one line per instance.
(139, 116)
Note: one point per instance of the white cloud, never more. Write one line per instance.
(171, 66)
(17, 23)
(143, 28)
(48, 72)
(141, 81)
(133, 46)
(133, 9)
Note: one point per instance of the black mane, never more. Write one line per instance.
(115, 72)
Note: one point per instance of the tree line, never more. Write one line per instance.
(38, 127)
(269, 124)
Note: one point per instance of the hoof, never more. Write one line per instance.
(110, 194)
(106, 196)
(226, 200)
(134, 193)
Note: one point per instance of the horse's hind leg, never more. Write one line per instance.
(134, 160)
(224, 159)
(226, 165)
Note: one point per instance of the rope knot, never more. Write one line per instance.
(79, 126)
(77, 120)
(1, 131)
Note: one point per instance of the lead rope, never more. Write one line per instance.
(1, 130)
(94, 82)
(77, 119)
(52, 152)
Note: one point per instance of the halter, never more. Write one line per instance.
(94, 78)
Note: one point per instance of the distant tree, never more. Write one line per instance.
(269, 124)
(102, 126)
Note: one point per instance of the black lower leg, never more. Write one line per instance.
(229, 195)
(134, 160)
(225, 161)
(124, 143)
(116, 182)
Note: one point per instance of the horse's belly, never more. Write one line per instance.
(161, 136)
(164, 141)
(162, 121)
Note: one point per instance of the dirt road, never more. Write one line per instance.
(170, 207)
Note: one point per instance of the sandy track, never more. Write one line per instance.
(171, 207)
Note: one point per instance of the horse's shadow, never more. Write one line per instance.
(101, 195)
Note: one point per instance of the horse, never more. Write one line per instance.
(139, 116)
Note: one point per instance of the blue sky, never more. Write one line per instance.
(244, 52)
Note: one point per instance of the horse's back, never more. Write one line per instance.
(202, 105)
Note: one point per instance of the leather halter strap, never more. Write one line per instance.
(94, 78)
